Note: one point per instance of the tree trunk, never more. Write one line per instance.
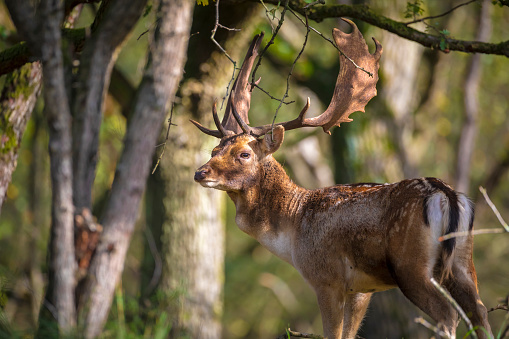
(21, 90)
(470, 126)
(192, 236)
(187, 216)
(113, 23)
(62, 266)
(156, 91)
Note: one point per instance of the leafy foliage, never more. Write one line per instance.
(414, 9)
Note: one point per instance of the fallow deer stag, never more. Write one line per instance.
(347, 241)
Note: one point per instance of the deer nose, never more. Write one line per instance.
(200, 174)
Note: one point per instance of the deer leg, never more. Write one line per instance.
(463, 288)
(417, 287)
(332, 304)
(356, 306)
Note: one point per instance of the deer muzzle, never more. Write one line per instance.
(203, 176)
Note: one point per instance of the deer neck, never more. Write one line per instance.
(271, 205)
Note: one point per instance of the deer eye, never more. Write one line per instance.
(245, 155)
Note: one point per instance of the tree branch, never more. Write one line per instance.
(364, 13)
(456, 306)
(56, 109)
(112, 24)
(20, 54)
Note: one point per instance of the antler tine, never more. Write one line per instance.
(221, 131)
(217, 134)
(288, 125)
(216, 119)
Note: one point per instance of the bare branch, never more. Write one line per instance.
(467, 233)
(212, 37)
(272, 97)
(165, 140)
(456, 306)
(499, 307)
(494, 209)
(296, 334)
(435, 329)
(332, 43)
(273, 37)
(441, 15)
(291, 72)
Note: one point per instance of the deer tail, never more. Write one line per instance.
(447, 212)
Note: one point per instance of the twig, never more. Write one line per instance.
(435, 329)
(274, 34)
(165, 140)
(466, 233)
(148, 30)
(453, 302)
(296, 334)
(212, 37)
(290, 74)
(503, 307)
(267, 14)
(272, 97)
(494, 209)
(333, 44)
(440, 15)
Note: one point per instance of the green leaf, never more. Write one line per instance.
(445, 32)
(413, 9)
(202, 2)
(443, 44)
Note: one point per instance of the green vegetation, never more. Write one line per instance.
(412, 128)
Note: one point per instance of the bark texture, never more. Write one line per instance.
(19, 95)
(192, 237)
(188, 216)
(58, 115)
(159, 84)
(113, 23)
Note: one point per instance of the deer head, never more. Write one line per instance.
(240, 149)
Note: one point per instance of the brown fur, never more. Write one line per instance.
(348, 241)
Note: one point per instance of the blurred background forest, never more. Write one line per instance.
(428, 102)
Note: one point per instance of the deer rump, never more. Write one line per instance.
(347, 241)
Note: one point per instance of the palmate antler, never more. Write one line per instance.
(354, 88)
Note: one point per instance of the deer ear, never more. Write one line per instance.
(271, 142)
